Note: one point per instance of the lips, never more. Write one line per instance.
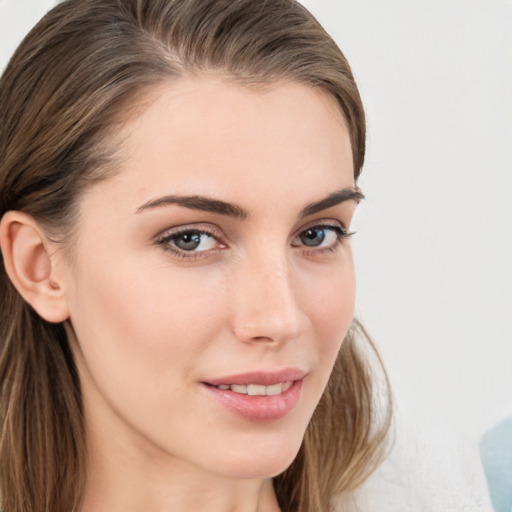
(258, 396)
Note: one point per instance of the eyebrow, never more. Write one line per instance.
(340, 196)
(207, 204)
(202, 203)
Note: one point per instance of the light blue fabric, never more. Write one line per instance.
(496, 453)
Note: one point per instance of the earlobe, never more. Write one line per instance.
(28, 263)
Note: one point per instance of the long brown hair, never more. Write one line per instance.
(69, 85)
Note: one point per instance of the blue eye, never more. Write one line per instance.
(313, 236)
(189, 241)
(321, 237)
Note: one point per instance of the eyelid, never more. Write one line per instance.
(164, 241)
(199, 227)
(327, 223)
(341, 232)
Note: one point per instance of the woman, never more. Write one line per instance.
(177, 184)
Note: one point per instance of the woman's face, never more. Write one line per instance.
(211, 285)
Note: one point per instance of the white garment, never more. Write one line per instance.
(430, 469)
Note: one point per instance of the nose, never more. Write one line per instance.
(266, 307)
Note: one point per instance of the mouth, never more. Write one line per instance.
(258, 396)
(257, 389)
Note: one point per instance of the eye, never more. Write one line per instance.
(324, 236)
(193, 241)
(313, 237)
(189, 243)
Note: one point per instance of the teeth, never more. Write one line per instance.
(275, 389)
(258, 389)
(239, 389)
(255, 389)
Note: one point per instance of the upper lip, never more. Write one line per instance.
(262, 378)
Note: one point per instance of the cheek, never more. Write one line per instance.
(329, 297)
(143, 327)
(332, 306)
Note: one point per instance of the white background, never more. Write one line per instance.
(434, 242)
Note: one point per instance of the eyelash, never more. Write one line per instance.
(165, 241)
(340, 232)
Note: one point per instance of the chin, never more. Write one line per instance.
(272, 466)
(258, 460)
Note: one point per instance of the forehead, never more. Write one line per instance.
(207, 136)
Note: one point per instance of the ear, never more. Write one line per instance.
(30, 263)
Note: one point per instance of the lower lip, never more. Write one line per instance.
(259, 408)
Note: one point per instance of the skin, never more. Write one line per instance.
(149, 325)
